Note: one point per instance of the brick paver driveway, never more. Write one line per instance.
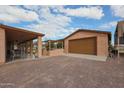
(62, 71)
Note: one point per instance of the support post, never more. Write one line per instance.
(39, 46)
(2, 46)
(118, 50)
(26, 49)
(49, 42)
(31, 48)
(62, 45)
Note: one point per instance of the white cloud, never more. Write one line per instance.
(108, 25)
(15, 14)
(93, 12)
(8, 18)
(60, 20)
(57, 25)
(52, 25)
(51, 31)
(32, 7)
(118, 10)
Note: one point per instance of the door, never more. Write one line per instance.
(83, 46)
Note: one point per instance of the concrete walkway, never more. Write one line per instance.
(89, 57)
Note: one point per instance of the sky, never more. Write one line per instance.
(57, 22)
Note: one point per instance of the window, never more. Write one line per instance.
(122, 40)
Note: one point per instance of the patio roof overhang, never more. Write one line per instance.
(18, 34)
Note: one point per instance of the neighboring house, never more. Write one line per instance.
(119, 37)
(89, 42)
(16, 42)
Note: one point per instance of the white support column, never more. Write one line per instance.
(39, 42)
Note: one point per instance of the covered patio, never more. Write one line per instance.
(16, 43)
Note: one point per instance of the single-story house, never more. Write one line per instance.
(16, 41)
(90, 42)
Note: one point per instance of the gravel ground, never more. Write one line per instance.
(62, 72)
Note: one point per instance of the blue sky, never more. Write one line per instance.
(57, 22)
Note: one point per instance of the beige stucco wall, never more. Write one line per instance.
(2, 46)
(102, 41)
(56, 52)
(39, 42)
(102, 45)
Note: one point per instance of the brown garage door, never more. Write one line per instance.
(83, 46)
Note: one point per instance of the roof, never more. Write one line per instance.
(87, 30)
(118, 24)
(121, 21)
(21, 35)
(54, 40)
(19, 29)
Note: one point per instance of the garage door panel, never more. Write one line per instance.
(83, 46)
